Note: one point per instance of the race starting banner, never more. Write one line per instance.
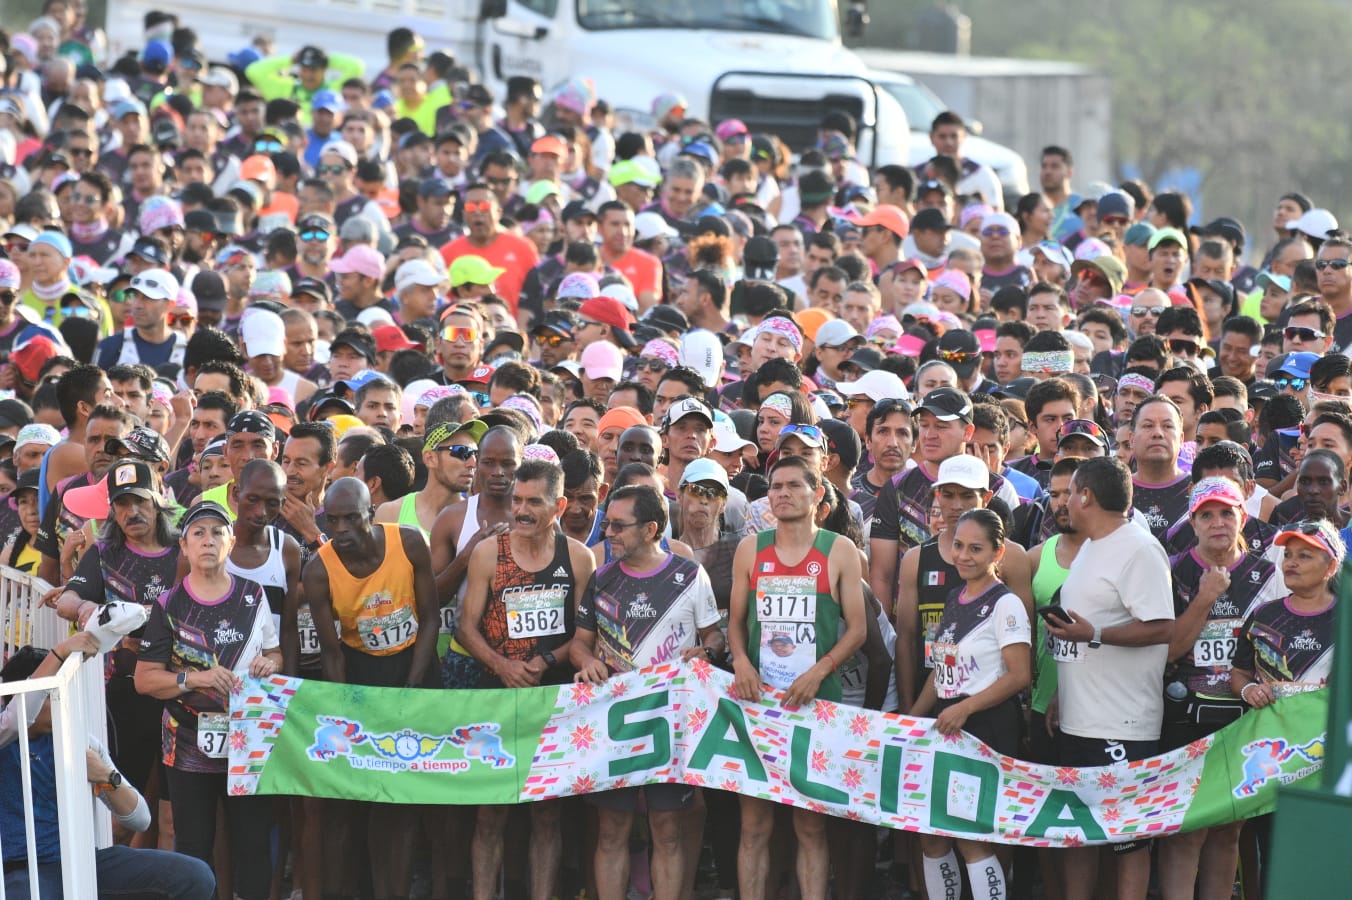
(680, 723)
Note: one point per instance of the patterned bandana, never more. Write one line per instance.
(1132, 380)
(782, 326)
(540, 451)
(780, 403)
(1049, 361)
(1215, 489)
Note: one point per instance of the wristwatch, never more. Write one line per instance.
(709, 653)
(1096, 641)
(183, 681)
(107, 787)
(549, 659)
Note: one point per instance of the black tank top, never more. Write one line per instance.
(935, 579)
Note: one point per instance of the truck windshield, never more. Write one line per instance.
(805, 18)
(920, 105)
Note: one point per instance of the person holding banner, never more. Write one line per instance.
(210, 630)
(648, 606)
(516, 622)
(377, 583)
(1287, 648)
(784, 628)
(1217, 585)
(979, 662)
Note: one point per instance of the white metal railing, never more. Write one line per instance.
(78, 711)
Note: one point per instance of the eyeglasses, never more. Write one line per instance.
(181, 319)
(1081, 426)
(1147, 311)
(586, 323)
(652, 364)
(1282, 382)
(960, 357)
(1339, 264)
(275, 147)
(500, 182)
(16, 246)
(995, 231)
(81, 152)
(852, 402)
(1302, 333)
(609, 526)
(459, 451)
(704, 491)
(79, 312)
(315, 234)
(480, 399)
(1089, 276)
(86, 199)
(550, 340)
(337, 169)
(1182, 347)
(1115, 220)
(461, 333)
(477, 206)
(118, 296)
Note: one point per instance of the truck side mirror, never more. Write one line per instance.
(492, 9)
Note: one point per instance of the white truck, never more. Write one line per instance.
(779, 65)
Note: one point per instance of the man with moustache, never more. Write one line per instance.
(516, 623)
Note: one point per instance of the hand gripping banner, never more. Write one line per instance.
(680, 722)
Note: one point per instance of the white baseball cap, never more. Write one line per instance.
(702, 351)
(1317, 223)
(263, 333)
(705, 470)
(648, 225)
(727, 440)
(837, 333)
(964, 471)
(417, 271)
(877, 385)
(157, 284)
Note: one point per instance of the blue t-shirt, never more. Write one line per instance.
(42, 762)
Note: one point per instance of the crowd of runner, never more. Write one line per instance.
(390, 379)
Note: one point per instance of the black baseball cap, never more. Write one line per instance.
(360, 341)
(929, 220)
(558, 321)
(315, 287)
(132, 477)
(865, 359)
(311, 57)
(576, 209)
(150, 251)
(15, 414)
(206, 509)
(145, 443)
(842, 440)
(961, 350)
(760, 257)
(947, 405)
(316, 220)
(209, 289)
(324, 398)
(667, 318)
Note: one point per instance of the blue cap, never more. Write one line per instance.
(382, 99)
(361, 380)
(156, 55)
(1298, 364)
(55, 239)
(701, 150)
(127, 107)
(243, 58)
(1268, 277)
(328, 100)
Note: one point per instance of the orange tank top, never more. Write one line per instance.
(378, 614)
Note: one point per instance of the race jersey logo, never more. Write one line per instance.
(641, 608)
(1306, 641)
(814, 568)
(227, 633)
(1225, 608)
(408, 750)
(560, 572)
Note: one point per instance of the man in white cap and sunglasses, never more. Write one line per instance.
(150, 341)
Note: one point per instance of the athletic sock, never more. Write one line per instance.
(943, 880)
(987, 878)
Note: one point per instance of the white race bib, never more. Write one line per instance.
(944, 659)
(392, 631)
(1215, 645)
(1065, 651)
(448, 620)
(535, 613)
(213, 732)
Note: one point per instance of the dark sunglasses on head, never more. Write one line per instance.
(1339, 264)
(1302, 333)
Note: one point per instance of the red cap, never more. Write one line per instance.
(480, 375)
(888, 216)
(608, 311)
(550, 144)
(31, 356)
(391, 337)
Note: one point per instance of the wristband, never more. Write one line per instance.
(828, 658)
(1245, 689)
(59, 657)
